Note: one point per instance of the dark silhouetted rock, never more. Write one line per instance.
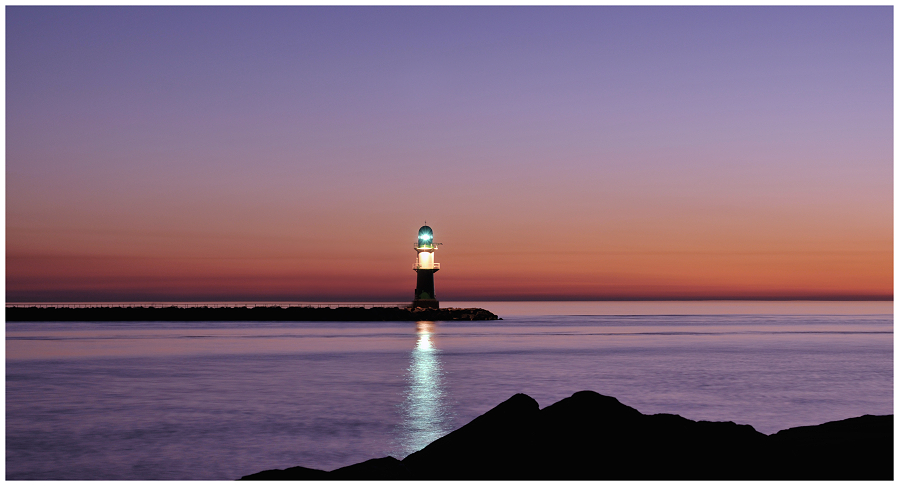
(855, 448)
(385, 468)
(592, 436)
(489, 447)
(291, 473)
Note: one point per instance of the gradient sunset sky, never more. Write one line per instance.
(292, 153)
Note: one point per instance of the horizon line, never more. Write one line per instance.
(389, 301)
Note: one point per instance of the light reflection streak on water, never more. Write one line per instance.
(426, 416)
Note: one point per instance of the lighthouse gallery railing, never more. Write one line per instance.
(418, 266)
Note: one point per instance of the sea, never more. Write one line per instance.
(220, 400)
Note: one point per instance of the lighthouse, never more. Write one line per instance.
(425, 268)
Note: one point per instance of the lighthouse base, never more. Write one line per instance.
(424, 290)
(426, 303)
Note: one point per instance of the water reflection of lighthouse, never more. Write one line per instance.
(426, 416)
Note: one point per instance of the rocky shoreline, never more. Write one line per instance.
(256, 313)
(589, 436)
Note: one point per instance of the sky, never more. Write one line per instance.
(570, 153)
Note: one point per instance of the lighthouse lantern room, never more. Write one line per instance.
(425, 268)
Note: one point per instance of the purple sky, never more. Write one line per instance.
(588, 152)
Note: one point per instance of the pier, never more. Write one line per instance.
(250, 312)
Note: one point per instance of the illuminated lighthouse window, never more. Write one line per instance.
(426, 260)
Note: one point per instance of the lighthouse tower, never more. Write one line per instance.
(425, 268)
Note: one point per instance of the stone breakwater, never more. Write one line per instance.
(589, 436)
(257, 313)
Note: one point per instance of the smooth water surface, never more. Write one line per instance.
(215, 400)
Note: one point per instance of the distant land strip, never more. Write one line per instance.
(244, 313)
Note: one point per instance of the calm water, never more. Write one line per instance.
(220, 400)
